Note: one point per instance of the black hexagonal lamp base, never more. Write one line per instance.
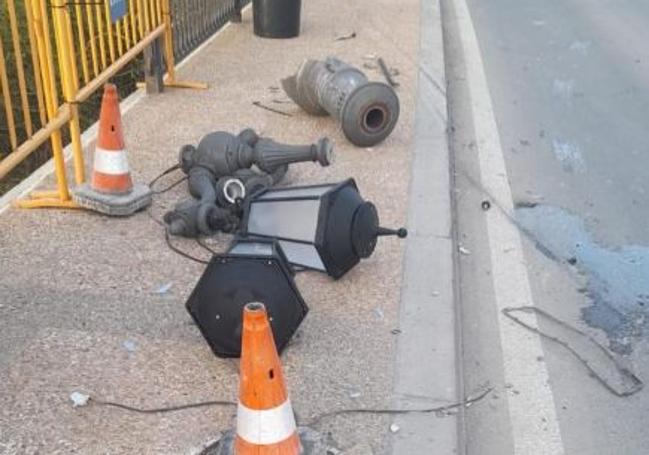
(252, 271)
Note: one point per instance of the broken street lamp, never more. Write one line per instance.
(252, 271)
(328, 228)
(367, 111)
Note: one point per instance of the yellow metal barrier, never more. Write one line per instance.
(72, 49)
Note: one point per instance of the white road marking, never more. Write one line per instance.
(532, 411)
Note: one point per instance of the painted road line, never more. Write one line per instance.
(532, 412)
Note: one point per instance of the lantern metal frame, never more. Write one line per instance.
(337, 251)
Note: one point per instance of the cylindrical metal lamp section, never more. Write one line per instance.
(276, 18)
(368, 111)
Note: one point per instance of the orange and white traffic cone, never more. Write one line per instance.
(111, 188)
(110, 173)
(265, 419)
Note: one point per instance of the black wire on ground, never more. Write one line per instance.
(162, 174)
(161, 410)
(315, 421)
(389, 411)
(164, 190)
(180, 252)
(169, 187)
(206, 247)
(636, 382)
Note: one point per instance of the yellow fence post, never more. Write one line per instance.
(18, 55)
(69, 81)
(169, 41)
(61, 197)
(6, 94)
(171, 80)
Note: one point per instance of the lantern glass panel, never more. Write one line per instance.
(314, 191)
(288, 219)
(252, 249)
(303, 254)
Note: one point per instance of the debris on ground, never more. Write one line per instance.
(602, 365)
(463, 250)
(220, 177)
(259, 104)
(164, 289)
(346, 36)
(130, 345)
(394, 428)
(386, 73)
(313, 443)
(252, 267)
(334, 253)
(367, 111)
(213, 443)
(79, 399)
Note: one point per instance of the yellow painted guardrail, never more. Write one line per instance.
(63, 52)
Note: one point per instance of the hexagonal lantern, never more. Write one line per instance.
(252, 271)
(328, 228)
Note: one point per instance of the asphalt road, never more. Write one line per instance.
(567, 88)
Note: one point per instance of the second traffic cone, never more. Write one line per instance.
(111, 188)
(110, 172)
(265, 419)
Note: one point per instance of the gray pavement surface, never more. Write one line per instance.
(79, 309)
(568, 82)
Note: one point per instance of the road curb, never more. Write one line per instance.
(425, 374)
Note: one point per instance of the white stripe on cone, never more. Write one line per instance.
(268, 426)
(111, 162)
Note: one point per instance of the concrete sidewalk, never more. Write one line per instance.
(78, 304)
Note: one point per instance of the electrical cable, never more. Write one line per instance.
(395, 411)
(160, 223)
(161, 410)
(203, 245)
(316, 420)
(637, 384)
(180, 252)
(170, 187)
(162, 174)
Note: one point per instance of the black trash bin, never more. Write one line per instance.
(276, 18)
